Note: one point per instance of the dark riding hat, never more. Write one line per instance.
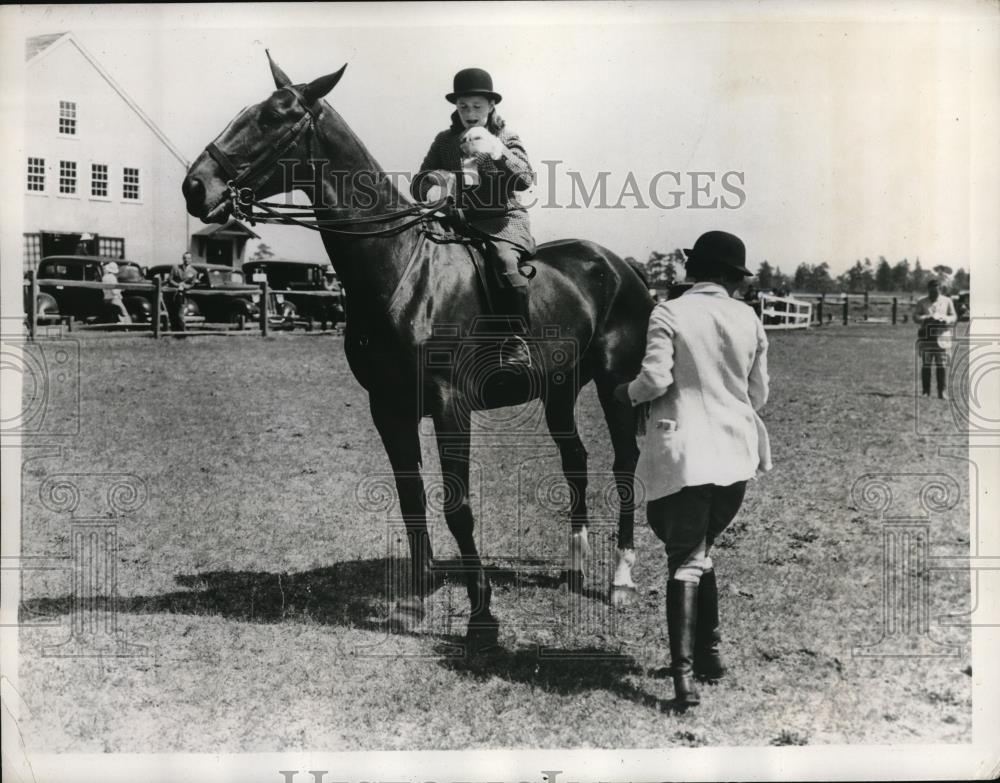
(473, 81)
(722, 248)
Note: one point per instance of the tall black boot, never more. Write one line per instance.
(682, 619)
(707, 661)
(942, 380)
(514, 352)
(925, 381)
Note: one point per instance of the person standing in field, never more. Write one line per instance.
(113, 296)
(491, 159)
(181, 277)
(703, 378)
(935, 316)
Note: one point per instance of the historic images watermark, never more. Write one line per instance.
(555, 186)
(47, 370)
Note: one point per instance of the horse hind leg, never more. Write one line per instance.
(561, 421)
(621, 425)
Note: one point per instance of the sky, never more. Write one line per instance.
(845, 131)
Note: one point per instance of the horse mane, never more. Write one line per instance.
(494, 124)
(640, 270)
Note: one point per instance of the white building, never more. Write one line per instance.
(96, 164)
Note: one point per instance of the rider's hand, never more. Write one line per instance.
(478, 140)
(621, 394)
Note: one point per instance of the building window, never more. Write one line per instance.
(32, 251)
(67, 118)
(112, 247)
(36, 175)
(130, 184)
(99, 180)
(67, 176)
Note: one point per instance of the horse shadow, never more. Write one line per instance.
(353, 594)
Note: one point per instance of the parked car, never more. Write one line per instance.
(209, 300)
(321, 300)
(88, 304)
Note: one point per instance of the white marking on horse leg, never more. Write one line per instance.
(624, 560)
(579, 550)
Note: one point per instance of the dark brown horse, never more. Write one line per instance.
(416, 337)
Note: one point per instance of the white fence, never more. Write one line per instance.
(782, 312)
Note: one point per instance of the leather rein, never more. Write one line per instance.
(246, 206)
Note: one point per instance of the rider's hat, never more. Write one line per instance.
(473, 81)
(720, 247)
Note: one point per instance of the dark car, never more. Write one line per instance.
(310, 294)
(222, 295)
(87, 304)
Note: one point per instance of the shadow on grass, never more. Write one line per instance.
(559, 671)
(352, 593)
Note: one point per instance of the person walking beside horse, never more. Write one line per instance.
(493, 165)
(702, 380)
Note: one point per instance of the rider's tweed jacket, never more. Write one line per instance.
(499, 179)
(705, 376)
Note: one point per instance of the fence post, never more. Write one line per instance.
(845, 309)
(263, 308)
(32, 303)
(894, 306)
(157, 307)
(819, 308)
(866, 304)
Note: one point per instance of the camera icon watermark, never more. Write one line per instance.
(966, 372)
(469, 362)
(47, 370)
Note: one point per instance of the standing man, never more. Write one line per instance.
(182, 277)
(935, 315)
(702, 380)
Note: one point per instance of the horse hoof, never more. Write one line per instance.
(483, 634)
(623, 595)
(572, 581)
(407, 614)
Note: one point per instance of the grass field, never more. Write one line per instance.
(255, 573)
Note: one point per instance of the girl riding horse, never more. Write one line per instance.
(480, 142)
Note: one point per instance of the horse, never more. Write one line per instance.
(409, 289)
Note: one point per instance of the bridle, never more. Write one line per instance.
(243, 180)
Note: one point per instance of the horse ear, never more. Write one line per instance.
(280, 77)
(319, 88)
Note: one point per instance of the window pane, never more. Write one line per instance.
(67, 117)
(67, 176)
(36, 174)
(130, 183)
(99, 180)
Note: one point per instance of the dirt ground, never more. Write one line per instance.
(255, 555)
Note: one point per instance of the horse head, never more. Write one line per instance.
(244, 159)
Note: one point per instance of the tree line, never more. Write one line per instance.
(664, 269)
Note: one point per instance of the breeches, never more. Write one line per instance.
(931, 355)
(689, 521)
(504, 257)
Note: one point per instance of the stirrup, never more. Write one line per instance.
(512, 346)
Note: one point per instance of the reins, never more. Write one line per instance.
(245, 205)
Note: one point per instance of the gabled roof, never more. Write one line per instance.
(231, 229)
(37, 43)
(39, 47)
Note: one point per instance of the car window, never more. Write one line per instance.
(60, 271)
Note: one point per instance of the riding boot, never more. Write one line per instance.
(682, 619)
(707, 661)
(925, 381)
(514, 353)
(942, 376)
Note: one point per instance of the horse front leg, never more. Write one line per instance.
(621, 425)
(397, 425)
(453, 435)
(561, 420)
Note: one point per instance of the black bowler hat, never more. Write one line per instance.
(721, 247)
(473, 81)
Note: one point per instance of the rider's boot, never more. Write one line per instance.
(514, 353)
